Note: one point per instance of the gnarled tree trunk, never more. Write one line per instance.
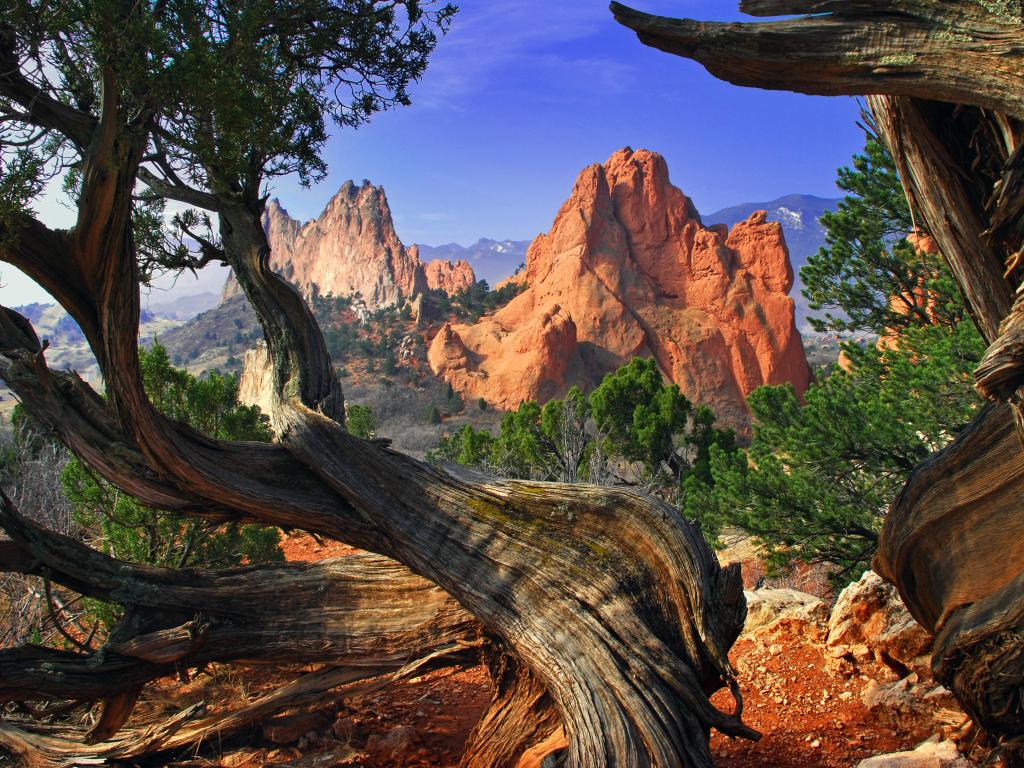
(945, 84)
(613, 609)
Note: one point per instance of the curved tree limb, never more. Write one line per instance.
(953, 544)
(614, 603)
(41, 108)
(901, 48)
(358, 611)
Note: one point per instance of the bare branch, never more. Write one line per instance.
(946, 51)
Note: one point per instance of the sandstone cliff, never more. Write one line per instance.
(256, 385)
(352, 247)
(628, 270)
(447, 276)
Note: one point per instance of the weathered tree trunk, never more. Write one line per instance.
(608, 600)
(954, 544)
(945, 84)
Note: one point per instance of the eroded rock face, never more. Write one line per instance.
(930, 754)
(447, 276)
(352, 247)
(256, 385)
(765, 606)
(629, 269)
(870, 623)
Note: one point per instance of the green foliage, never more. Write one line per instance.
(819, 477)
(237, 92)
(130, 531)
(433, 415)
(209, 405)
(638, 414)
(633, 421)
(21, 181)
(472, 302)
(869, 277)
(360, 421)
(468, 446)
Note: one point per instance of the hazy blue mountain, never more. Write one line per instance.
(799, 216)
(492, 260)
(183, 307)
(68, 349)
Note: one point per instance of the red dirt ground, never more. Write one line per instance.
(809, 717)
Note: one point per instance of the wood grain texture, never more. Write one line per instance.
(901, 48)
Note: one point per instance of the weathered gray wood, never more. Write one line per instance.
(344, 610)
(953, 543)
(941, 194)
(961, 52)
(611, 601)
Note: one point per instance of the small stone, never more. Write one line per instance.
(290, 728)
(385, 746)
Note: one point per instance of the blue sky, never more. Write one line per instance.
(523, 94)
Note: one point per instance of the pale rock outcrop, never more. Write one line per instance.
(930, 754)
(447, 276)
(351, 248)
(256, 385)
(629, 267)
(766, 606)
(869, 623)
(540, 356)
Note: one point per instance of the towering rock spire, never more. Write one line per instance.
(628, 270)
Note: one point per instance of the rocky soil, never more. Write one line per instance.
(828, 686)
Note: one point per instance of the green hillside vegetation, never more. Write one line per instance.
(633, 429)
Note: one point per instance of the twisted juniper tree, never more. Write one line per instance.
(946, 87)
(607, 619)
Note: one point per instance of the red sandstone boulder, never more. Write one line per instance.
(629, 266)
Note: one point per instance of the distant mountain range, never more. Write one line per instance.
(492, 260)
(800, 217)
(798, 214)
(184, 307)
(68, 349)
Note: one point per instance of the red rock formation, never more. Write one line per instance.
(352, 247)
(630, 269)
(447, 276)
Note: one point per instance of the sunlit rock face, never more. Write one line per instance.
(450, 277)
(351, 248)
(629, 270)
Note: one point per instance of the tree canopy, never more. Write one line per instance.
(869, 276)
(204, 104)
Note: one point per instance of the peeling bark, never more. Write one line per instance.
(607, 600)
(342, 610)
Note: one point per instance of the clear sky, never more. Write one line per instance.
(523, 94)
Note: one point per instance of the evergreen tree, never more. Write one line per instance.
(131, 531)
(869, 277)
(818, 477)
